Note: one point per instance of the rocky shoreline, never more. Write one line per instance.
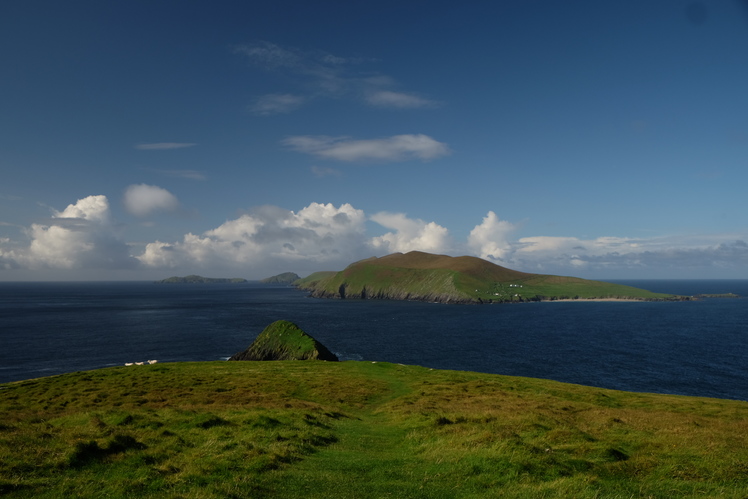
(343, 294)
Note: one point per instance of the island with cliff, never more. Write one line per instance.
(423, 276)
(284, 278)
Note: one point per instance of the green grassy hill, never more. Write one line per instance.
(423, 276)
(359, 430)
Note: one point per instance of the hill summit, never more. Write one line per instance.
(464, 279)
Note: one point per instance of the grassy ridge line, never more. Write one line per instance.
(359, 429)
(427, 277)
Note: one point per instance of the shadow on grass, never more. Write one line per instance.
(88, 452)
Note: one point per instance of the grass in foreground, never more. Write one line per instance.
(359, 429)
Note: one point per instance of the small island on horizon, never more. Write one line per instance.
(284, 278)
(196, 279)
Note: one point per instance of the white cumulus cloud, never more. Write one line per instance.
(141, 200)
(491, 238)
(410, 235)
(271, 236)
(80, 236)
(317, 237)
(395, 148)
(91, 208)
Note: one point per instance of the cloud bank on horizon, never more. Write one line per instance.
(325, 237)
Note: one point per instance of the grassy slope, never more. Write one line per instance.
(359, 429)
(423, 276)
(315, 278)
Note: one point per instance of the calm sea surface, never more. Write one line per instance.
(692, 348)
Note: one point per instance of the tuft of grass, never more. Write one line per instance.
(359, 429)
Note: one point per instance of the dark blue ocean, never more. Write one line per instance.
(691, 348)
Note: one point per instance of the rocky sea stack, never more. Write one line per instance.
(284, 340)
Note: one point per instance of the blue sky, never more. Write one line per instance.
(599, 139)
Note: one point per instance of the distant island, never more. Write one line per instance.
(439, 278)
(196, 279)
(284, 278)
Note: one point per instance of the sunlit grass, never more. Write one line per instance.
(359, 429)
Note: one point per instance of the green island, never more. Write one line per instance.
(358, 429)
(439, 278)
(284, 278)
(197, 279)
